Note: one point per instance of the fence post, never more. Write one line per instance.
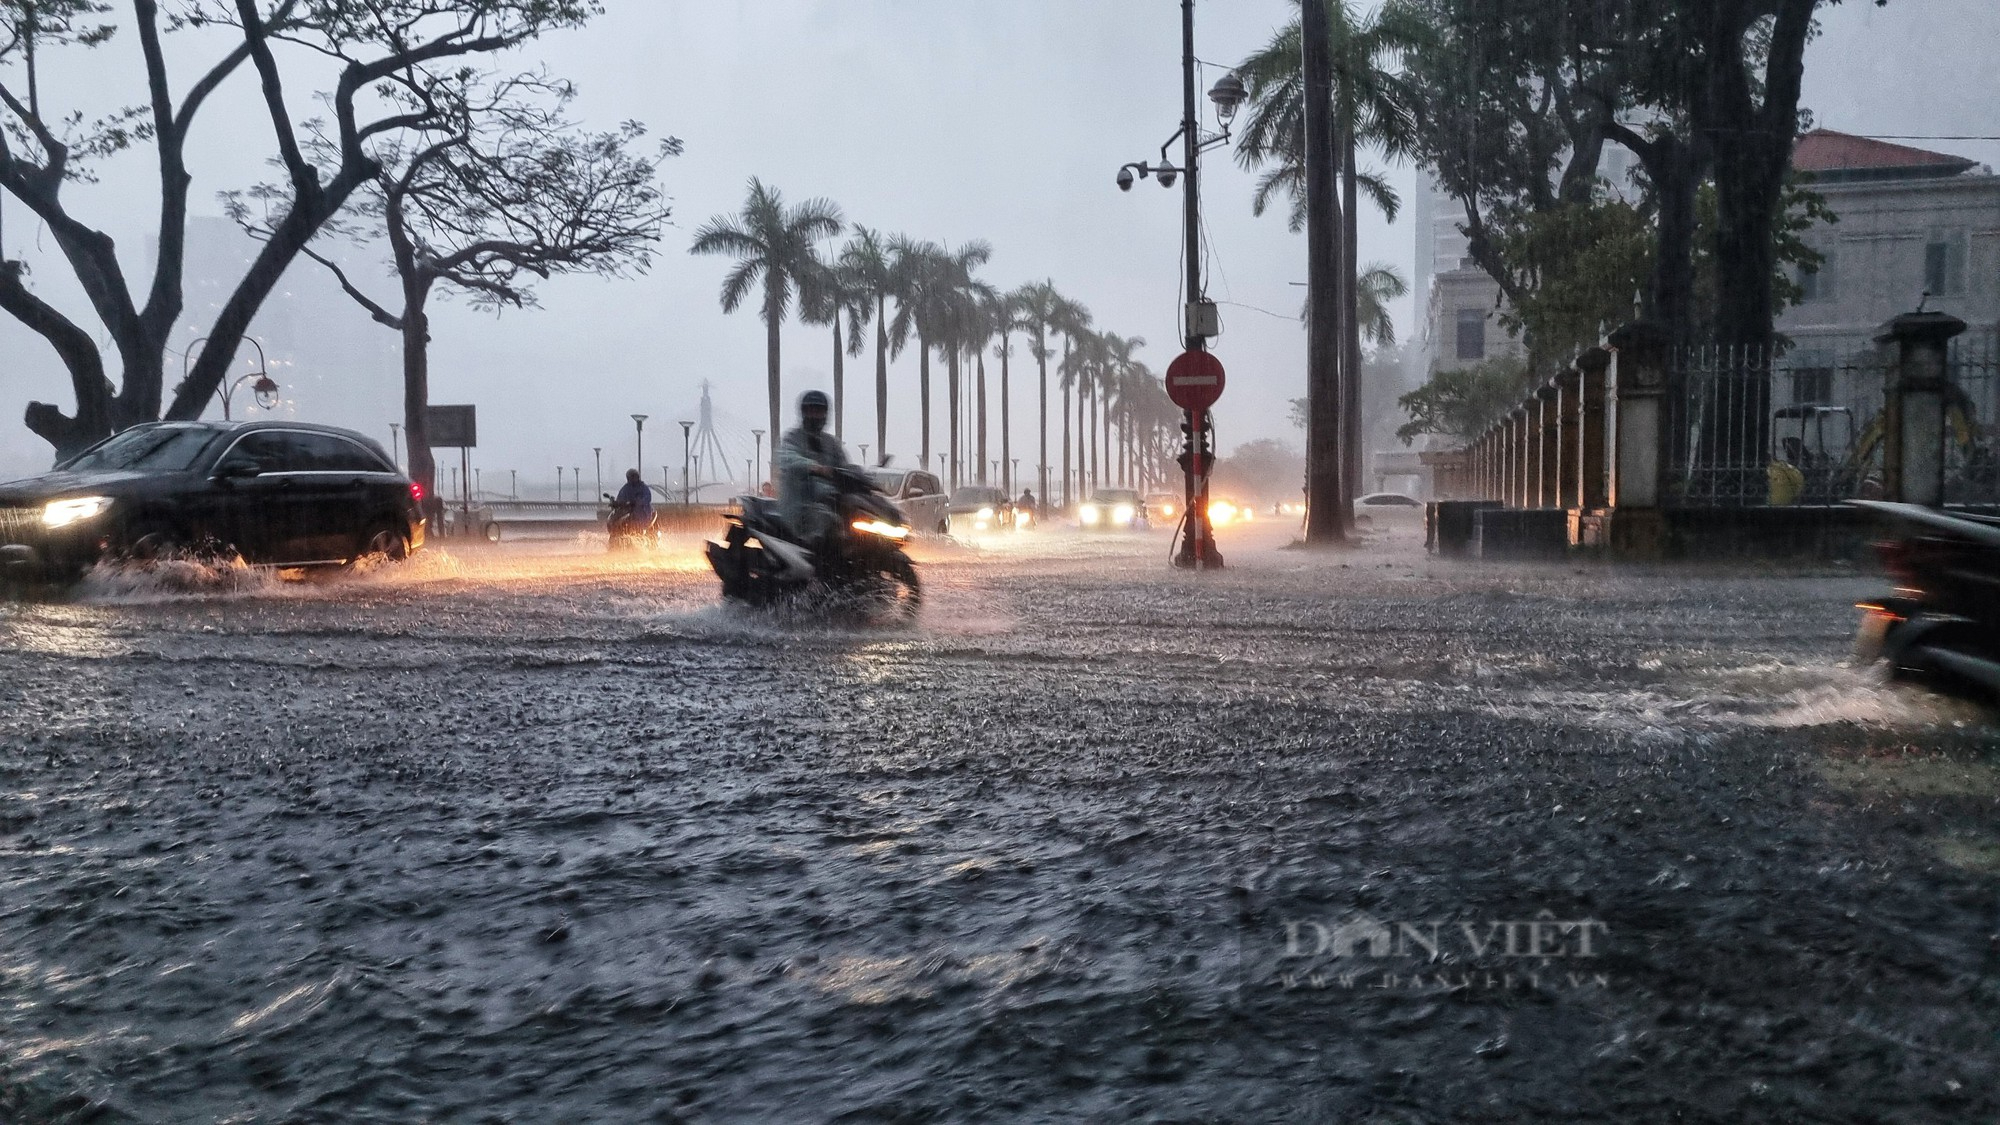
(1517, 496)
(1638, 384)
(1913, 406)
(1569, 422)
(1593, 473)
(1548, 405)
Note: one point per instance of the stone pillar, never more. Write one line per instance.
(1569, 421)
(1593, 472)
(1913, 406)
(1548, 403)
(1525, 455)
(1639, 382)
(1507, 461)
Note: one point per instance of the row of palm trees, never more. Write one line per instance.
(1124, 423)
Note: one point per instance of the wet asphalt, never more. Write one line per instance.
(533, 833)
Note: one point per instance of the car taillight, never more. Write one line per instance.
(416, 492)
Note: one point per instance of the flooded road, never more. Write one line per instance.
(533, 834)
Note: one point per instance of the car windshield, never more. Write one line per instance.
(1116, 496)
(166, 449)
(976, 496)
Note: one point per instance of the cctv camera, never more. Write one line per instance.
(1167, 176)
(1125, 178)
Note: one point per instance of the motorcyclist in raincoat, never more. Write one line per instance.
(807, 459)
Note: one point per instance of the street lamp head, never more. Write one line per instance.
(267, 392)
(1228, 94)
(640, 419)
(1125, 178)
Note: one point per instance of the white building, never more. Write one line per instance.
(1913, 227)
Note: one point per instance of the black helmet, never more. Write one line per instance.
(814, 400)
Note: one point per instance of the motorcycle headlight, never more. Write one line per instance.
(1123, 513)
(881, 528)
(62, 513)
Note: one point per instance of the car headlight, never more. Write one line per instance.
(1166, 509)
(1123, 513)
(1221, 512)
(1089, 513)
(986, 513)
(62, 513)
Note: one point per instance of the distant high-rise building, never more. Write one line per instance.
(332, 362)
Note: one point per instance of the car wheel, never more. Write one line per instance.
(152, 542)
(386, 543)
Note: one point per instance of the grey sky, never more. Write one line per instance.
(942, 119)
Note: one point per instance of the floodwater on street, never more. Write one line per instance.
(536, 833)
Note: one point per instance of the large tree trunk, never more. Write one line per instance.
(881, 376)
(773, 318)
(951, 408)
(417, 394)
(1350, 316)
(1068, 499)
(1006, 426)
(924, 400)
(839, 377)
(980, 409)
(1328, 505)
(1042, 427)
(79, 355)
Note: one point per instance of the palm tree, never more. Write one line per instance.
(1004, 315)
(1038, 304)
(870, 262)
(1378, 285)
(1370, 106)
(919, 312)
(825, 294)
(772, 243)
(1116, 372)
(960, 299)
(1073, 321)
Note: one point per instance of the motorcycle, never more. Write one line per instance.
(1941, 624)
(762, 561)
(626, 533)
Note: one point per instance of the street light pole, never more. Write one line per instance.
(597, 455)
(1198, 542)
(760, 454)
(395, 441)
(687, 458)
(639, 427)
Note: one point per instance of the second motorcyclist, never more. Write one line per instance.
(809, 458)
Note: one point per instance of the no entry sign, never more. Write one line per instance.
(1194, 380)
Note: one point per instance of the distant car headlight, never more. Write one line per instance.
(1089, 513)
(1221, 512)
(1123, 513)
(1166, 509)
(1247, 514)
(986, 513)
(62, 513)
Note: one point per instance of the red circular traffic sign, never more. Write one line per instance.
(1194, 380)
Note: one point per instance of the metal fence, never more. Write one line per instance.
(1806, 427)
(1972, 420)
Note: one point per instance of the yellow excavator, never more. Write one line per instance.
(1817, 458)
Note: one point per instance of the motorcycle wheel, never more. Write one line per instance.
(906, 594)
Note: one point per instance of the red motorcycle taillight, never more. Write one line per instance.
(416, 492)
(1898, 557)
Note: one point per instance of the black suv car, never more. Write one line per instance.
(278, 493)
